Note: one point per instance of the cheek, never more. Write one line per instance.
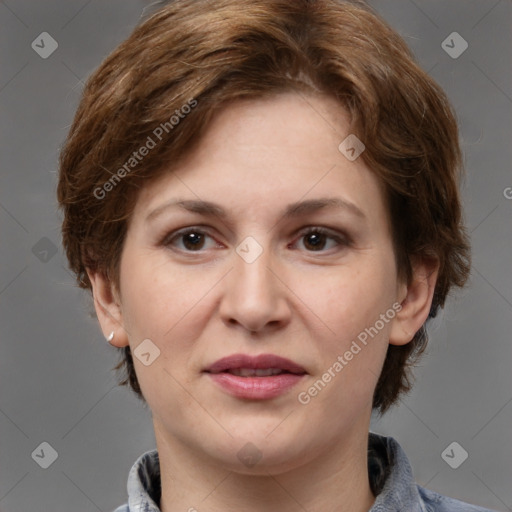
(162, 302)
(352, 351)
(349, 299)
(350, 302)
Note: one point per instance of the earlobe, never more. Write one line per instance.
(108, 309)
(415, 306)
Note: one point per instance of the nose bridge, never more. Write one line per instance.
(252, 295)
(251, 273)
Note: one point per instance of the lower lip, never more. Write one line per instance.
(256, 388)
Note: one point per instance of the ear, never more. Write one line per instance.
(415, 300)
(108, 308)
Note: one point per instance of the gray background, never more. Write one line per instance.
(55, 379)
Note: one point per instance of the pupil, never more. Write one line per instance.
(315, 241)
(193, 241)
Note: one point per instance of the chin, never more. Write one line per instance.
(256, 453)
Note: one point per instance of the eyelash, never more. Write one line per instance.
(341, 240)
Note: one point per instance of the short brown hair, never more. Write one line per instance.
(204, 54)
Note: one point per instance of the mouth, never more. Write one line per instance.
(251, 372)
(264, 365)
(255, 378)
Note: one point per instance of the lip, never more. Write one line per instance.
(255, 388)
(258, 362)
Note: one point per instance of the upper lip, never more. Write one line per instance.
(262, 361)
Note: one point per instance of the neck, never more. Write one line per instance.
(335, 481)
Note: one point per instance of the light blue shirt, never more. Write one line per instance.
(390, 475)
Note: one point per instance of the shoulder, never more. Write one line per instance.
(393, 483)
(438, 503)
(122, 508)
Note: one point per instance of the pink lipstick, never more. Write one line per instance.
(255, 377)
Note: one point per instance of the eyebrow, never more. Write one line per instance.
(296, 209)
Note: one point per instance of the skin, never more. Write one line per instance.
(297, 300)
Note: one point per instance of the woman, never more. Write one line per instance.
(262, 197)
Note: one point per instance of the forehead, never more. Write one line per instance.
(259, 154)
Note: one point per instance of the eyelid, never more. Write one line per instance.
(320, 229)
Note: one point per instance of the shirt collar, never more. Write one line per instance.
(144, 489)
(389, 468)
(390, 475)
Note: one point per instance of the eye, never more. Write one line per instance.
(190, 240)
(320, 239)
(195, 239)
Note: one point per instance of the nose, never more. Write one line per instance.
(254, 299)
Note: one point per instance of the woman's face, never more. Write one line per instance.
(267, 240)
